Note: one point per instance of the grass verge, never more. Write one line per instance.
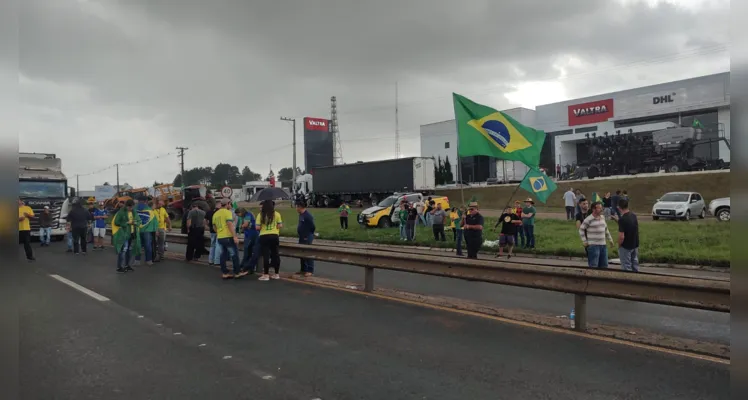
(676, 242)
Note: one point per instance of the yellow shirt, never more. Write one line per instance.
(271, 228)
(453, 217)
(220, 219)
(162, 217)
(24, 225)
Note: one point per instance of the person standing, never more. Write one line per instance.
(25, 213)
(428, 213)
(45, 227)
(473, 230)
(402, 216)
(419, 209)
(509, 222)
(214, 256)
(578, 193)
(99, 225)
(251, 244)
(195, 233)
(458, 222)
(628, 237)
(78, 218)
(614, 203)
(164, 225)
(594, 232)
(570, 201)
(269, 227)
(438, 216)
(147, 230)
(125, 236)
(528, 222)
(608, 205)
(305, 230)
(412, 220)
(223, 223)
(519, 238)
(343, 211)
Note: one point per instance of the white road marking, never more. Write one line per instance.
(201, 345)
(268, 377)
(226, 357)
(177, 333)
(80, 288)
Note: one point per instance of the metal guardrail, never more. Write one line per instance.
(676, 291)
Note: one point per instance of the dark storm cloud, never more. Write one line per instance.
(231, 68)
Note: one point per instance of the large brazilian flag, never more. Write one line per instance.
(484, 131)
(148, 220)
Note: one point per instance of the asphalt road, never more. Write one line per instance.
(674, 321)
(177, 331)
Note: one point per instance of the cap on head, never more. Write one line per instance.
(473, 204)
(529, 200)
(46, 207)
(225, 202)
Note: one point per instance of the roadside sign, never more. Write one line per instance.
(226, 192)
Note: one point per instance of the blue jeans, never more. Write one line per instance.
(146, 240)
(69, 237)
(228, 249)
(215, 250)
(458, 238)
(251, 253)
(307, 264)
(629, 259)
(529, 235)
(123, 258)
(403, 231)
(45, 234)
(422, 218)
(597, 256)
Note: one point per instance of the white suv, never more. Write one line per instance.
(679, 205)
(720, 208)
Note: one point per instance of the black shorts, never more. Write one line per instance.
(506, 240)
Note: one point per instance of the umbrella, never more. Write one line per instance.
(271, 193)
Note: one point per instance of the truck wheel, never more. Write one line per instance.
(326, 202)
(385, 222)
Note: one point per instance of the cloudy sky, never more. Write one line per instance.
(106, 81)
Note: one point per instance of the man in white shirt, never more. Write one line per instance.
(570, 201)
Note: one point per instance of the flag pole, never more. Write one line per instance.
(459, 172)
(515, 190)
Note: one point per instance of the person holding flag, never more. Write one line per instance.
(148, 229)
(542, 187)
(125, 236)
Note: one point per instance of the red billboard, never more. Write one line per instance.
(589, 113)
(316, 124)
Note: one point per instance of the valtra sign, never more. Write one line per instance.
(316, 124)
(589, 113)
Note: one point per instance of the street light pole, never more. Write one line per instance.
(293, 121)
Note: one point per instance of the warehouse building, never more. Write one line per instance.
(640, 111)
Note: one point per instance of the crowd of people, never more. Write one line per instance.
(139, 231)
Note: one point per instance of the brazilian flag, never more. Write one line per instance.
(538, 184)
(483, 131)
(595, 198)
(148, 220)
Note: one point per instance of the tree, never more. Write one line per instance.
(157, 183)
(248, 175)
(225, 174)
(285, 174)
(270, 175)
(438, 171)
(178, 180)
(448, 176)
(107, 184)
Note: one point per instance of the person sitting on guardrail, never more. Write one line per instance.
(269, 227)
(594, 232)
(473, 230)
(126, 236)
(305, 230)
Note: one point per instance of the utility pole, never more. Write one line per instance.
(77, 186)
(397, 125)
(181, 164)
(117, 165)
(293, 121)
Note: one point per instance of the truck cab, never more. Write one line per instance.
(384, 214)
(41, 183)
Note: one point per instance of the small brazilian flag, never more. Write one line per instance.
(595, 198)
(538, 184)
(483, 131)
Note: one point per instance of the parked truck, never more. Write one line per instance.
(510, 171)
(366, 182)
(41, 183)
